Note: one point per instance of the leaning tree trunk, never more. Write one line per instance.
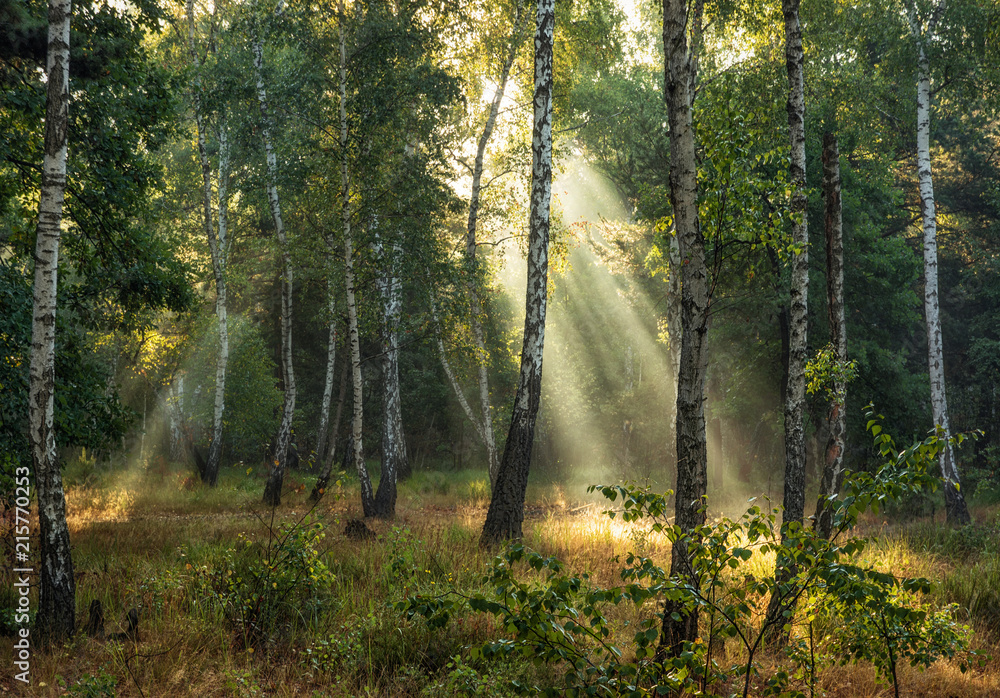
(506, 512)
(56, 616)
(357, 421)
(782, 601)
(955, 507)
(475, 306)
(680, 625)
(833, 468)
(393, 442)
(272, 490)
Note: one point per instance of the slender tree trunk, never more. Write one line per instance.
(272, 490)
(209, 473)
(681, 29)
(955, 507)
(56, 616)
(393, 442)
(833, 468)
(175, 404)
(357, 421)
(219, 259)
(450, 374)
(486, 432)
(781, 603)
(331, 360)
(324, 477)
(506, 512)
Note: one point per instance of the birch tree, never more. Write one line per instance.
(56, 616)
(833, 467)
(795, 393)
(216, 244)
(272, 490)
(506, 511)
(924, 32)
(681, 35)
(393, 444)
(353, 338)
(331, 360)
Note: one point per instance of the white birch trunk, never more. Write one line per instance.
(393, 443)
(218, 249)
(506, 512)
(357, 421)
(57, 591)
(955, 506)
(272, 491)
(209, 473)
(331, 360)
(795, 450)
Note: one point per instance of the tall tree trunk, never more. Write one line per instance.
(781, 602)
(331, 360)
(955, 507)
(486, 432)
(209, 473)
(272, 490)
(175, 406)
(393, 442)
(56, 616)
(357, 421)
(324, 477)
(506, 512)
(219, 259)
(833, 468)
(681, 31)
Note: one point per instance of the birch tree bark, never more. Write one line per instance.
(331, 360)
(209, 473)
(833, 468)
(56, 616)
(957, 511)
(681, 29)
(506, 512)
(393, 443)
(272, 490)
(218, 248)
(795, 394)
(357, 420)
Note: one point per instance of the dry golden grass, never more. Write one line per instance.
(142, 539)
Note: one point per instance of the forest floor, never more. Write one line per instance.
(236, 599)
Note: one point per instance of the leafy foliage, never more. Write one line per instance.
(562, 618)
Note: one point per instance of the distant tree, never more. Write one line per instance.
(506, 511)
